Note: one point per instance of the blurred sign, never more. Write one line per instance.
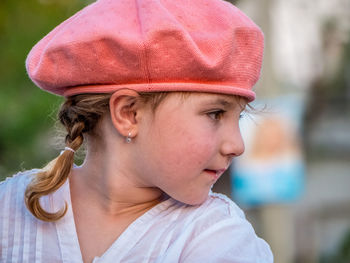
(272, 168)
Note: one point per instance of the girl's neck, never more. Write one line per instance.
(104, 203)
(103, 185)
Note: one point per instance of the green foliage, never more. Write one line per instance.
(26, 113)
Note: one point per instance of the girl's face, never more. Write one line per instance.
(187, 144)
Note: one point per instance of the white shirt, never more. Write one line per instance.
(215, 231)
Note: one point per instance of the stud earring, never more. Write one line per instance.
(128, 138)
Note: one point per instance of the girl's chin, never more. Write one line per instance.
(193, 201)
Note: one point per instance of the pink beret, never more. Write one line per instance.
(148, 46)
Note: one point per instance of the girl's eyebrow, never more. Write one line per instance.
(218, 101)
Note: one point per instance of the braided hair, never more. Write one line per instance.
(79, 114)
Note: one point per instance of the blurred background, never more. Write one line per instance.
(293, 182)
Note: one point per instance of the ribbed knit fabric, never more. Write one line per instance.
(150, 45)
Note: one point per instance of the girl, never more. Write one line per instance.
(155, 88)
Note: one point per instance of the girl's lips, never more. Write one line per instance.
(215, 173)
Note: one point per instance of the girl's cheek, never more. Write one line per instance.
(187, 152)
(200, 149)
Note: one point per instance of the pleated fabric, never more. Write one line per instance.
(21, 234)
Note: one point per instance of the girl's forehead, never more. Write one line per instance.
(214, 98)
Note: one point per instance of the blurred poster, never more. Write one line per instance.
(272, 168)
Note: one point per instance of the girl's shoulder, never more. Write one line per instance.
(217, 212)
(218, 221)
(19, 179)
(219, 203)
(13, 187)
(217, 207)
(222, 221)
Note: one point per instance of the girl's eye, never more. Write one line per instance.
(216, 115)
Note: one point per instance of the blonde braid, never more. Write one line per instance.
(79, 114)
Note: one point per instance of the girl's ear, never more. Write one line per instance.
(124, 106)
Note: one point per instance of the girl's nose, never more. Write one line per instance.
(232, 143)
